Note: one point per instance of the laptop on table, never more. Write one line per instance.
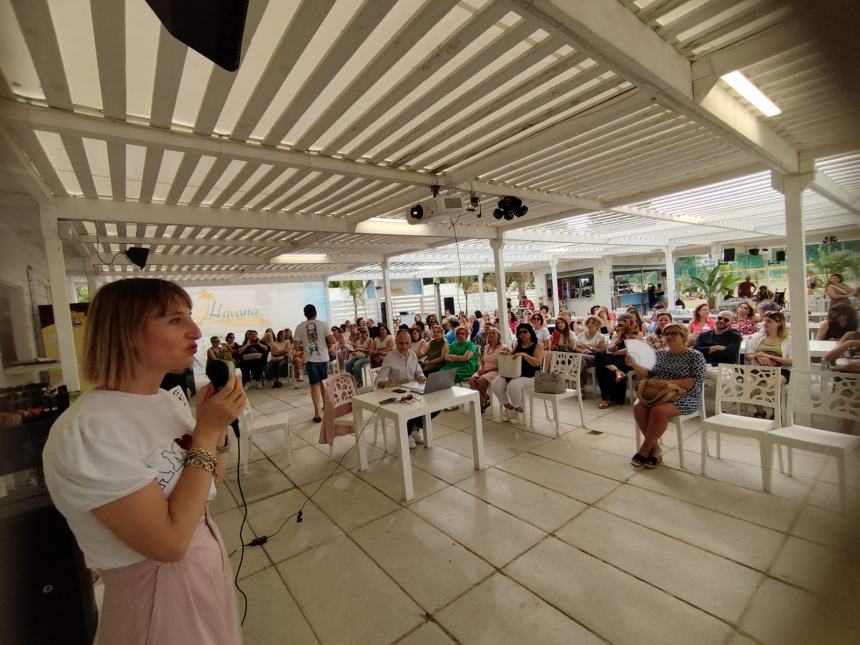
(437, 381)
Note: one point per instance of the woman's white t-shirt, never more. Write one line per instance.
(542, 334)
(106, 446)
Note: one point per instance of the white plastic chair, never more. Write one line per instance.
(344, 389)
(831, 394)
(568, 364)
(249, 425)
(678, 422)
(745, 384)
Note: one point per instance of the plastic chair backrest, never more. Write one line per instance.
(832, 394)
(342, 388)
(752, 384)
(568, 364)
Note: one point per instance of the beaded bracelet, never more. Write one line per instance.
(199, 458)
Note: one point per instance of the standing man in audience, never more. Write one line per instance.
(313, 337)
(399, 367)
(722, 344)
(746, 289)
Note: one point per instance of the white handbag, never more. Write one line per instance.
(510, 367)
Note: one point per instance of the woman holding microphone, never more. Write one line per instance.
(133, 472)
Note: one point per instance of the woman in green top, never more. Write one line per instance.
(433, 358)
(461, 355)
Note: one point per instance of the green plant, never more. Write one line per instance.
(355, 289)
(829, 262)
(718, 281)
(468, 284)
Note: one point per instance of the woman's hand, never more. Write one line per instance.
(630, 361)
(216, 410)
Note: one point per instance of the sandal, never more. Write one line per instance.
(620, 376)
(317, 419)
(603, 405)
(638, 461)
(652, 462)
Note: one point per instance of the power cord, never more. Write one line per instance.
(241, 526)
(259, 541)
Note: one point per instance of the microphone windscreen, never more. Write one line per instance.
(218, 372)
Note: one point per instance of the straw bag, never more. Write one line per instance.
(510, 367)
(653, 391)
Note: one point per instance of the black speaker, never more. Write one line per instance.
(212, 27)
(753, 251)
(780, 256)
(383, 310)
(728, 255)
(137, 255)
(448, 305)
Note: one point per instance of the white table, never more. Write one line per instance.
(820, 348)
(400, 413)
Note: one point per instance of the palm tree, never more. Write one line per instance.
(355, 289)
(828, 262)
(469, 284)
(718, 281)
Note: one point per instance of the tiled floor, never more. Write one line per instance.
(559, 540)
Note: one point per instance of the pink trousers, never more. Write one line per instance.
(165, 603)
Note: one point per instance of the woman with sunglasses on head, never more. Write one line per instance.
(771, 348)
(133, 472)
(541, 330)
(510, 391)
(746, 323)
(680, 365)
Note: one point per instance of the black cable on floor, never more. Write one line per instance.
(241, 527)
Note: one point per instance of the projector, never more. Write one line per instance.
(434, 207)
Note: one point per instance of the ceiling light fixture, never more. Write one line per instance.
(743, 86)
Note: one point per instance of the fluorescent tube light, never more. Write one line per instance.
(751, 93)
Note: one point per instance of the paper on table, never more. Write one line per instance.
(642, 353)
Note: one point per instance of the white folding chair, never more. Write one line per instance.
(830, 394)
(745, 384)
(568, 364)
(249, 425)
(678, 422)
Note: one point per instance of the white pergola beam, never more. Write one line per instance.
(829, 189)
(616, 38)
(80, 125)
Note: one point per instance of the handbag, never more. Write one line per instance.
(550, 383)
(653, 391)
(510, 367)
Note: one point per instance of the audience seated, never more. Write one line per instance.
(765, 301)
(382, 345)
(685, 368)
(359, 356)
(746, 323)
(541, 330)
(841, 319)
(591, 340)
(845, 357)
(276, 368)
(434, 359)
(509, 392)
(563, 339)
(461, 355)
(417, 342)
(701, 319)
(488, 366)
(609, 365)
(722, 344)
(253, 354)
(770, 348)
(656, 339)
(634, 311)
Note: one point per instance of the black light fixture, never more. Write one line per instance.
(728, 255)
(416, 212)
(510, 207)
(137, 255)
(753, 251)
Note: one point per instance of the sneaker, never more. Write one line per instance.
(412, 443)
(276, 384)
(418, 436)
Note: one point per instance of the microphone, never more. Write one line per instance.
(219, 373)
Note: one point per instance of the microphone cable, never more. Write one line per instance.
(241, 526)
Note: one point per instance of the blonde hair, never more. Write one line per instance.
(685, 333)
(780, 318)
(595, 319)
(115, 322)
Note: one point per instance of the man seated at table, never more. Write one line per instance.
(399, 367)
(721, 344)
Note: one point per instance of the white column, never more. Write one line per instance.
(92, 285)
(59, 303)
(386, 287)
(481, 291)
(328, 311)
(792, 187)
(498, 260)
(669, 287)
(553, 267)
(437, 289)
(602, 284)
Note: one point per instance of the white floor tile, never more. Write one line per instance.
(386, 475)
(445, 464)
(499, 612)
(613, 604)
(427, 634)
(776, 612)
(806, 564)
(263, 479)
(669, 564)
(255, 559)
(425, 562)
(585, 458)
(749, 544)
(535, 504)
(491, 533)
(346, 597)
(573, 482)
(350, 501)
(273, 616)
(827, 527)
